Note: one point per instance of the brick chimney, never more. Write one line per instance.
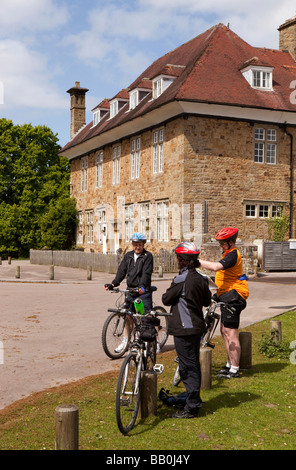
(288, 36)
(77, 107)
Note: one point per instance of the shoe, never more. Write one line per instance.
(230, 375)
(184, 414)
(121, 346)
(224, 370)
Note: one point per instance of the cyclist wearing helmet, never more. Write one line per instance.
(187, 295)
(137, 267)
(233, 290)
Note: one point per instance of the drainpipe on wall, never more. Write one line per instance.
(291, 182)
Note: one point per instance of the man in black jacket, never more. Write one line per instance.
(187, 295)
(137, 267)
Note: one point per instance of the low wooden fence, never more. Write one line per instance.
(98, 261)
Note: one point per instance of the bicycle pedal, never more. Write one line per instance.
(210, 345)
(158, 368)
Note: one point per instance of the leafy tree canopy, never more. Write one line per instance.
(35, 207)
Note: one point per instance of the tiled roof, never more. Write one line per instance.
(208, 70)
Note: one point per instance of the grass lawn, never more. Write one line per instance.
(254, 412)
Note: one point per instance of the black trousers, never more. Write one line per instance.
(187, 348)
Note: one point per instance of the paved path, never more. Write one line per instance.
(50, 331)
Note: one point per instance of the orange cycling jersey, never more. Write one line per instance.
(228, 278)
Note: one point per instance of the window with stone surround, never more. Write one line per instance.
(158, 143)
(116, 152)
(99, 169)
(265, 145)
(135, 157)
(84, 175)
(163, 221)
(261, 209)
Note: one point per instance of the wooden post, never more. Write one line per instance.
(18, 272)
(148, 402)
(206, 368)
(9, 259)
(245, 339)
(276, 327)
(66, 427)
(51, 272)
(89, 273)
(160, 271)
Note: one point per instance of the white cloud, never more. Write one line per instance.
(25, 77)
(32, 15)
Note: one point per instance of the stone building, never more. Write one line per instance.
(203, 138)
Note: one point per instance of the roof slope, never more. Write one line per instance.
(208, 70)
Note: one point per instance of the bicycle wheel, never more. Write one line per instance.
(116, 335)
(210, 332)
(162, 329)
(128, 393)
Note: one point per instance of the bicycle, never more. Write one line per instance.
(118, 327)
(142, 357)
(212, 319)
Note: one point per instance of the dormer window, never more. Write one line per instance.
(160, 84)
(136, 96)
(118, 102)
(100, 111)
(258, 76)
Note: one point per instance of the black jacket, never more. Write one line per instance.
(139, 273)
(188, 293)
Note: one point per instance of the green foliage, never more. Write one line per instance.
(34, 180)
(278, 227)
(271, 347)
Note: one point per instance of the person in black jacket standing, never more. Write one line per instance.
(137, 267)
(187, 295)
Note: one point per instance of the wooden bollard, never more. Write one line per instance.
(160, 271)
(9, 260)
(148, 401)
(66, 427)
(206, 368)
(18, 272)
(89, 273)
(51, 272)
(0, 260)
(245, 339)
(276, 329)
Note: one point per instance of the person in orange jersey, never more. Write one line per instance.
(233, 290)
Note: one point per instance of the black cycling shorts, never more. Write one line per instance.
(230, 317)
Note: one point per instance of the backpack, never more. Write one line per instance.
(179, 401)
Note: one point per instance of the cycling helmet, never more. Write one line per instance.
(138, 237)
(227, 234)
(187, 250)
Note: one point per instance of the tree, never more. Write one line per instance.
(34, 183)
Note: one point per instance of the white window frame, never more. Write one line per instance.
(265, 145)
(113, 108)
(116, 154)
(133, 99)
(262, 209)
(129, 214)
(260, 78)
(145, 219)
(101, 225)
(135, 158)
(99, 169)
(84, 174)
(96, 117)
(90, 226)
(158, 151)
(160, 84)
(163, 221)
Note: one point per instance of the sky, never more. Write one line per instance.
(48, 45)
